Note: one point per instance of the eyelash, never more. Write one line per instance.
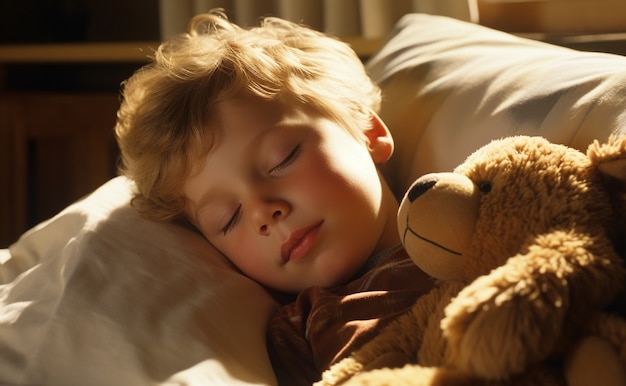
(287, 161)
(283, 164)
(233, 221)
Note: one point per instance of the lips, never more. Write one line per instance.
(299, 243)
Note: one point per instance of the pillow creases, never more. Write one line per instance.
(98, 295)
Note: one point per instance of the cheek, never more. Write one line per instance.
(346, 164)
(318, 188)
(247, 254)
(353, 178)
(240, 253)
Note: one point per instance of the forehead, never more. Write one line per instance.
(234, 125)
(244, 116)
(246, 110)
(235, 129)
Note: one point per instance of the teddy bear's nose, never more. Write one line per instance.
(421, 186)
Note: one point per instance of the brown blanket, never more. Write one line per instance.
(323, 325)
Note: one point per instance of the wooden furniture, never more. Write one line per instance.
(55, 148)
(56, 145)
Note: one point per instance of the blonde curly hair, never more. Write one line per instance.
(162, 121)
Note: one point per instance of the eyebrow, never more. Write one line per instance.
(203, 202)
(192, 209)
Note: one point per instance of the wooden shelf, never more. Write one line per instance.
(364, 47)
(117, 52)
(554, 16)
(77, 52)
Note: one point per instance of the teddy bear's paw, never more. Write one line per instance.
(494, 331)
(390, 359)
(413, 375)
(340, 372)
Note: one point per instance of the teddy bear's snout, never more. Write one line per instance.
(421, 186)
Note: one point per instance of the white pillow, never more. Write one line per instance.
(450, 87)
(99, 296)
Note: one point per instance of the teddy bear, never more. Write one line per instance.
(523, 239)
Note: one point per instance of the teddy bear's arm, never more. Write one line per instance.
(512, 317)
(399, 342)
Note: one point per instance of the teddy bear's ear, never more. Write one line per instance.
(610, 157)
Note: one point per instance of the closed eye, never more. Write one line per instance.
(233, 221)
(287, 161)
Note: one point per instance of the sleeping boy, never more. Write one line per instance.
(268, 140)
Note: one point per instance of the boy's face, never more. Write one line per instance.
(293, 200)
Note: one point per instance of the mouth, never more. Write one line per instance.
(410, 231)
(299, 243)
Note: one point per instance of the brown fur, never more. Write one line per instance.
(521, 283)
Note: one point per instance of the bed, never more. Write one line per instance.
(97, 295)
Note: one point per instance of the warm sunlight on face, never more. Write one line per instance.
(291, 199)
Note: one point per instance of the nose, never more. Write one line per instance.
(421, 186)
(266, 214)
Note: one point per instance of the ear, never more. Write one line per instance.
(379, 139)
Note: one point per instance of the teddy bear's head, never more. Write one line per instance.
(461, 225)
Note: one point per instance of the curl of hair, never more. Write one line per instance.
(162, 121)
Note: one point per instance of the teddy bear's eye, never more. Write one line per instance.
(484, 187)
